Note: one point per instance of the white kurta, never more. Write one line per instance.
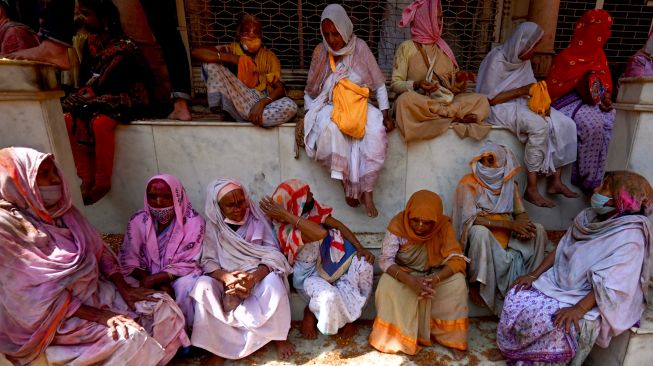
(338, 303)
(263, 317)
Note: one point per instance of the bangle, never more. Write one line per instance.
(438, 276)
(297, 222)
(531, 276)
(170, 276)
(267, 97)
(581, 307)
(396, 274)
(219, 56)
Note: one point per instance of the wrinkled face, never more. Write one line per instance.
(159, 194)
(421, 226)
(530, 52)
(250, 30)
(331, 35)
(234, 205)
(489, 161)
(47, 175)
(90, 20)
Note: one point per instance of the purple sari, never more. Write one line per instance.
(594, 129)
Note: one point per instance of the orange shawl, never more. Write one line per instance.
(441, 243)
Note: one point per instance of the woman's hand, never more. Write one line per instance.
(364, 253)
(523, 282)
(118, 326)
(428, 87)
(523, 228)
(421, 286)
(274, 210)
(565, 317)
(606, 102)
(256, 113)
(132, 295)
(388, 122)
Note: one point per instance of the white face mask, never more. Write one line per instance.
(51, 195)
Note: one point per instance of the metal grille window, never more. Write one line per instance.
(291, 28)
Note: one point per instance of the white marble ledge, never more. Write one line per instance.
(11, 96)
(636, 80)
(633, 107)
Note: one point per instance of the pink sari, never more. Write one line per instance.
(53, 263)
(176, 250)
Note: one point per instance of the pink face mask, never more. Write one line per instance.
(239, 223)
(163, 215)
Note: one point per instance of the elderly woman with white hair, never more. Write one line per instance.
(342, 130)
(242, 299)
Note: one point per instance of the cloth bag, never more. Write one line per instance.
(349, 105)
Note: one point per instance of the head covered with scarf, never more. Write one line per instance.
(253, 244)
(356, 55)
(50, 257)
(441, 244)
(184, 236)
(293, 195)
(584, 54)
(503, 69)
(423, 16)
(488, 189)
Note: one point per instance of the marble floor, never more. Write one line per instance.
(332, 350)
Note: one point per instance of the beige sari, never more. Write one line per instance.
(421, 117)
(403, 322)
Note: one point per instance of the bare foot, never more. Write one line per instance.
(348, 331)
(352, 202)
(285, 349)
(48, 52)
(368, 200)
(561, 188)
(181, 111)
(534, 197)
(475, 295)
(309, 324)
(458, 354)
(212, 360)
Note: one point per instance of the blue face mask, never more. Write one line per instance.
(598, 202)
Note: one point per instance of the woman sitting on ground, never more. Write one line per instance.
(491, 222)
(256, 93)
(592, 288)
(332, 271)
(342, 130)
(118, 88)
(63, 298)
(506, 78)
(242, 299)
(580, 86)
(163, 242)
(641, 64)
(430, 86)
(422, 294)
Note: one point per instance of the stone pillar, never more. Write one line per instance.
(31, 115)
(630, 147)
(544, 13)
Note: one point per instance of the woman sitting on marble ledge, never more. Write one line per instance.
(343, 131)
(493, 226)
(118, 89)
(506, 78)
(62, 296)
(430, 86)
(332, 271)
(244, 78)
(163, 243)
(592, 288)
(241, 301)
